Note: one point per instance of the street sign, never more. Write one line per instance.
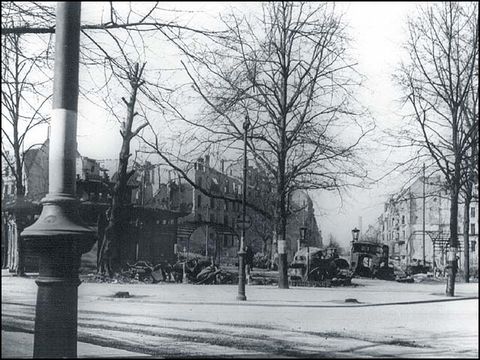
(243, 225)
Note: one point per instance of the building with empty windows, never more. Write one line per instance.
(416, 224)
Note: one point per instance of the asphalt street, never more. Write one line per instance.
(381, 319)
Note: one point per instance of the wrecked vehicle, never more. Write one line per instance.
(199, 269)
(146, 272)
(202, 271)
(414, 269)
(312, 264)
(193, 266)
(369, 259)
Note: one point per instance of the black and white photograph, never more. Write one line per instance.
(207, 179)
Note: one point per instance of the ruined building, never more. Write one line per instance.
(402, 224)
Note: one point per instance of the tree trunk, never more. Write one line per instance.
(466, 236)
(452, 260)
(114, 247)
(20, 190)
(281, 223)
(113, 237)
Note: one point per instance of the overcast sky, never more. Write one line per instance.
(378, 30)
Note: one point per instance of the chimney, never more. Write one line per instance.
(207, 161)
(222, 163)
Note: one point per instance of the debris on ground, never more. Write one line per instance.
(385, 273)
(417, 269)
(404, 279)
(259, 279)
(202, 271)
(261, 261)
(104, 278)
(122, 294)
(198, 270)
(352, 300)
(428, 277)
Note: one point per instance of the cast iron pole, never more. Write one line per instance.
(241, 253)
(59, 236)
(423, 232)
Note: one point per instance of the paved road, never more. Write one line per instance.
(388, 319)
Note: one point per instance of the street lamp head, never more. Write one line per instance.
(303, 232)
(355, 233)
(246, 123)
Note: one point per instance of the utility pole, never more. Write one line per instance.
(241, 252)
(423, 232)
(59, 236)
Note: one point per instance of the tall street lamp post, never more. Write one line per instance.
(241, 253)
(59, 236)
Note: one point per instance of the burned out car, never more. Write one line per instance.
(369, 259)
(312, 264)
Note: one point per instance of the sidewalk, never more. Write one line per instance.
(20, 345)
(373, 318)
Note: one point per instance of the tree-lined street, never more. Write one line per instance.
(390, 319)
(233, 131)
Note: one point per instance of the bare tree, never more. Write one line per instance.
(470, 166)
(22, 101)
(437, 80)
(128, 75)
(99, 44)
(32, 17)
(287, 70)
(25, 88)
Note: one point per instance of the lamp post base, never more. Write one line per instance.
(56, 309)
(60, 239)
(241, 276)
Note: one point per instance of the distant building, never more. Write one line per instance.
(8, 180)
(402, 224)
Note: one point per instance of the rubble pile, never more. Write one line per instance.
(261, 261)
(104, 278)
(198, 270)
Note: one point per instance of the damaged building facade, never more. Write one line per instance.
(402, 224)
(167, 214)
